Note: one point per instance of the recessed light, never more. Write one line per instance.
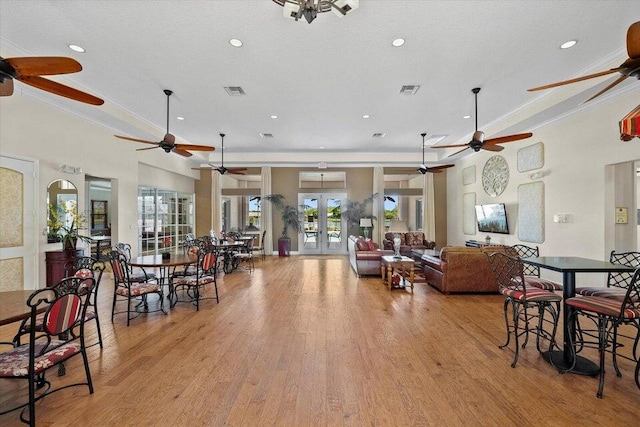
(235, 42)
(397, 42)
(466, 117)
(568, 44)
(76, 48)
(180, 118)
(321, 147)
(273, 116)
(365, 116)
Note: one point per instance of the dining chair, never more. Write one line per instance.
(63, 312)
(126, 289)
(532, 272)
(260, 247)
(617, 282)
(85, 267)
(528, 304)
(609, 314)
(245, 255)
(137, 274)
(192, 287)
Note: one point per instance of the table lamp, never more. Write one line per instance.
(366, 223)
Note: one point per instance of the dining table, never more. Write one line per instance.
(165, 266)
(226, 249)
(99, 241)
(569, 266)
(13, 306)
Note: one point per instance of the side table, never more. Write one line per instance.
(404, 264)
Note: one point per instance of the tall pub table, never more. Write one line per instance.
(569, 266)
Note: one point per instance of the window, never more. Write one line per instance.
(164, 218)
(99, 219)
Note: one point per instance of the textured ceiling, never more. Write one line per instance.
(320, 78)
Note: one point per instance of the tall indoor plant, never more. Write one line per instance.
(354, 211)
(290, 215)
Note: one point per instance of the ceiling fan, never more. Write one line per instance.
(168, 143)
(222, 169)
(630, 67)
(478, 142)
(29, 70)
(434, 169)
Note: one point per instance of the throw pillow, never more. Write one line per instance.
(372, 245)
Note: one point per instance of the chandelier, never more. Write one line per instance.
(294, 9)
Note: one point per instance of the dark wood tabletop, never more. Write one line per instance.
(13, 306)
(157, 260)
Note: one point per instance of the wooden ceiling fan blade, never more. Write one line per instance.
(195, 147)
(450, 146)
(44, 65)
(439, 168)
(182, 152)
(458, 152)
(578, 79)
(507, 138)
(6, 87)
(236, 172)
(128, 138)
(148, 148)
(490, 147)
(617, 81)
(633, 40)
(60, 89)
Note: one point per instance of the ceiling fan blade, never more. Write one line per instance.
(181, 152)
(578, 79)
(458, 152)
(60, 89)
(439, 168)
(507, 138)
(195, 147)
(619, 80)
(148, 148)
(203, 168)
(236, 172)
(44, 65)
(6, 87)
(633, 40)
(449, 146)
(490, 147)
(128, 138)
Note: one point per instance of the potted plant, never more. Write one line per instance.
(69, 233)
(290, 219)
(355, 211)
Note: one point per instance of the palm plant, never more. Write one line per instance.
(355, 211)
(290, 214)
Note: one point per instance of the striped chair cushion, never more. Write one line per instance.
(193, 280)
(138, 289)
(15, 362)
(612, 293)
(533, 294)
(537, 282)
(604, 306)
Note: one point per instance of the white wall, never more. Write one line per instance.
(576, 151)
(36, 130)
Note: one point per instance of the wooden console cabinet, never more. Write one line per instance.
(55, 262)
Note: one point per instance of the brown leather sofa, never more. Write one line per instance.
(461, 269)
(409, 240)
(365, 255)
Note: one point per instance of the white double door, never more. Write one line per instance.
(323, 227)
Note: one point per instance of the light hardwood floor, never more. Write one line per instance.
(303, 341)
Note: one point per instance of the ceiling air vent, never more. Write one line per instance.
(409, 89)
(378, 135)
(234, 90)
(266, 135)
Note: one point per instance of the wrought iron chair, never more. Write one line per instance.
(260, 247)
(609, 314)
(137, 274)
(193, 286)
(245, 254)
(62, 313)
(528, 304)
(617, 282)
(532, 272)
(126, 289)
(85, 267)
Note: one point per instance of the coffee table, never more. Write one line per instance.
(389, 263)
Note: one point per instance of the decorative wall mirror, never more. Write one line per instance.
(62, 198)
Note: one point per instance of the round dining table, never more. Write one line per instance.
(165, 266)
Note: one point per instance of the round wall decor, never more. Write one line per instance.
(495, 176)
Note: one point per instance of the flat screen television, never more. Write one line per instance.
(492, 218)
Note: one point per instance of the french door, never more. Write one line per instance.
(323, 226)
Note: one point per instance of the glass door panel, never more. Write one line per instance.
(322, 224)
